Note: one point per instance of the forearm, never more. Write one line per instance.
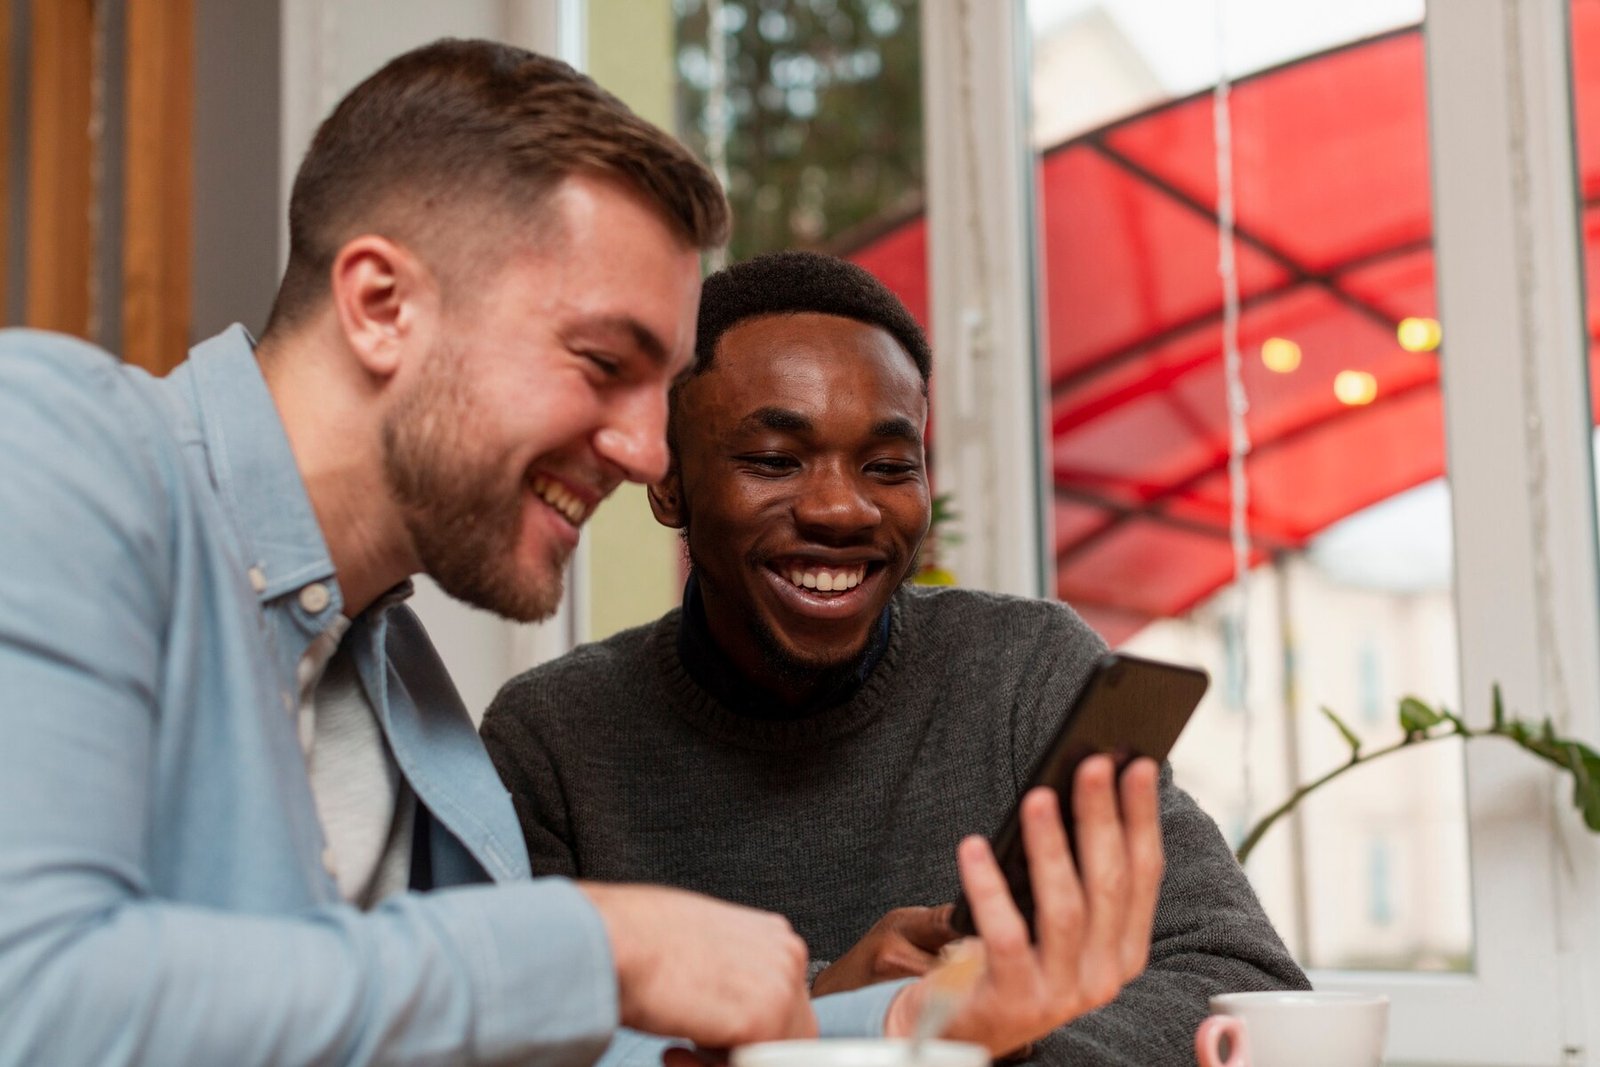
(461, 975)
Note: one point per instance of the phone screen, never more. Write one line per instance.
(1129, 707)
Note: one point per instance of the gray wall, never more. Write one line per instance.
(237, 130)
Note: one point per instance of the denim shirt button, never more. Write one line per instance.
(314, 598)
(258, 579)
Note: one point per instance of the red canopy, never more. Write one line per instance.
(1334, 249)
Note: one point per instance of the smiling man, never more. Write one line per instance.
(810, 735)
(244, 817)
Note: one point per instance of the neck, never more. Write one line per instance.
(769, 675)
(333, 420)
(766, 668)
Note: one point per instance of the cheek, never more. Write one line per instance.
(551, 418)
(740, 513)
(912, 515)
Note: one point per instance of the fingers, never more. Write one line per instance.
(1012, 965)
(1141, 820)
(1059, 904)
(690, 966)
(927, 929)
(1092, 916)
(1103, 862)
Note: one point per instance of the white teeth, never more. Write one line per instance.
(828, 580)
(560, 498)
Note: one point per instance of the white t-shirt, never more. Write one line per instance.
(367, 811)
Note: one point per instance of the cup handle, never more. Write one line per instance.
(1208, 1042)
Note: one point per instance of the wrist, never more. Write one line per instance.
(901, 1018)
(611, 902)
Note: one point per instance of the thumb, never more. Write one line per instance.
(929, 928)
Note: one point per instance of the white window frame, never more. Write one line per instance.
(1509, 282)
(989, 381)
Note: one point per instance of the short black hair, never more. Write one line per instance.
(793, 282)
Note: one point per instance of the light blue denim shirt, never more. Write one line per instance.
(162, 893)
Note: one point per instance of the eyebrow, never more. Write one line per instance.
(640, 334)
(787, 420)
(897, 429)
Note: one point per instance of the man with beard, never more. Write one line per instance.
(809, 735)
(244, 818)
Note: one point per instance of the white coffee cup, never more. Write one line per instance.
(885, 1052)
(1294, 1029)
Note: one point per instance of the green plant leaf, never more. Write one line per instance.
(1589, 801)
(1417, 717)
(1348, 734)
(1585, 767)
(1582, 781)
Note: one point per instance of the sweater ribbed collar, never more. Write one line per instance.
(712, 695)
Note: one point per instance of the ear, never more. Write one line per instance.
(666, 499)
(383, 298)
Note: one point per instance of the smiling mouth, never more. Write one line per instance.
(567, 504)
(826, 580)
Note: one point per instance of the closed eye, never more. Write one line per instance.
(770, 463)
(607, 365)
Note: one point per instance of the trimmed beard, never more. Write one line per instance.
(464, 522)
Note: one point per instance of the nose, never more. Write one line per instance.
(833, 503)
(634, 439)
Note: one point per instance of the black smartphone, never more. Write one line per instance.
(1129, 707)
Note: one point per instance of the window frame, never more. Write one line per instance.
(1510, 279)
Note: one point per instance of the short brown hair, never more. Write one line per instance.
(473, 126)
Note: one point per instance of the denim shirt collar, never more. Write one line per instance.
(246, 447)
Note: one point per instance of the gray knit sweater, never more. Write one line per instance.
(623, 769)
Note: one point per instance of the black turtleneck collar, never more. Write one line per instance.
(714, 672)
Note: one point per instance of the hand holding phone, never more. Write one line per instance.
(1095, 913)
(1129, 707)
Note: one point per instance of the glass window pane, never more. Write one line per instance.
(1585, 16)
(821, 131)
(1350, 600)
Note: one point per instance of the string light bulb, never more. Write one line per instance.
(1419, 334)
(1355, 388)
(1280, 355)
